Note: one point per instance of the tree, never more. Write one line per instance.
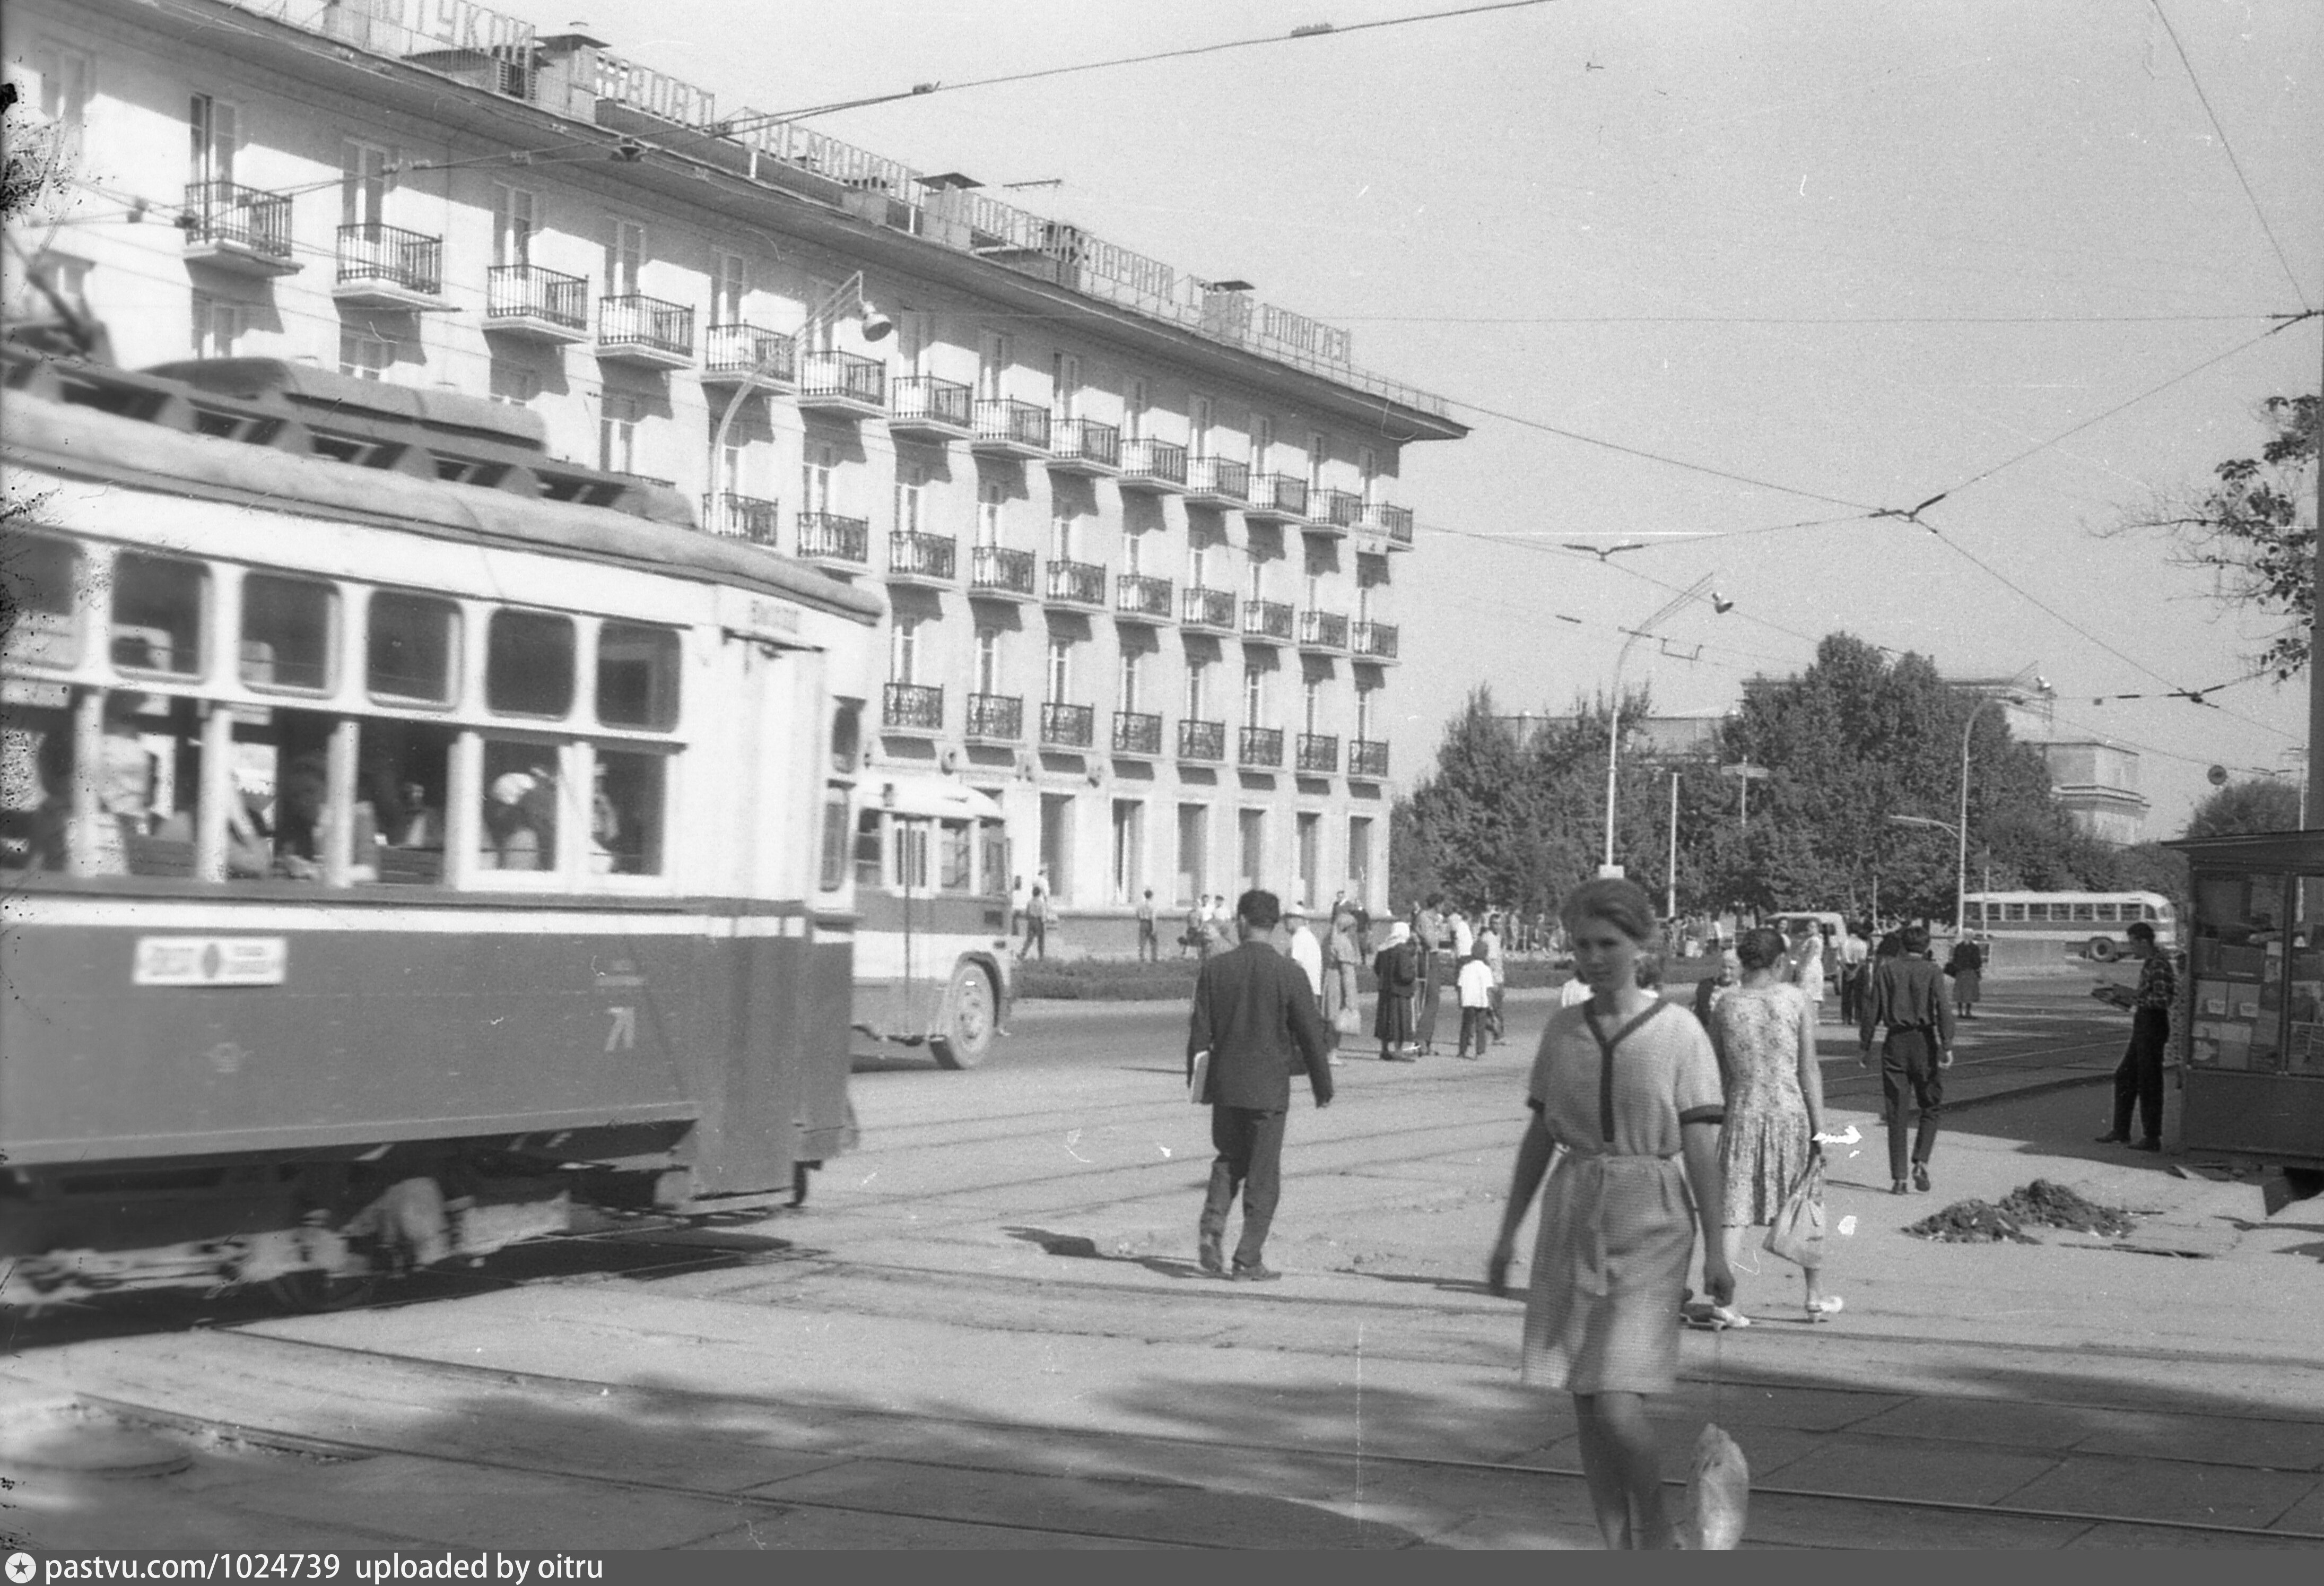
(2254, 529)
(2256, 803)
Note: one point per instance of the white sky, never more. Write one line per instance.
(1613, 218)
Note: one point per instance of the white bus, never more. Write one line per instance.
(2089, 923)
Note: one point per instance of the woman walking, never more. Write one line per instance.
(1394, 971)
(1629, 1087)
(1967, 968)
(1765, 1034)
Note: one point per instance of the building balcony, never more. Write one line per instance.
(911, 707)
(1318, 752)
(1266, 620)
(931, 409)
(845, 385)
(1001, 574)
(1068, 726)
(1322, 630)
(633, 329)
(1140, 599)
(1277, 498)
(740, 517)
(1202, 741)
(1213, 610)
(1336, 512)
(827, 537)
(745, 355)
(1217, 481)
(1258, 746)
(1137, 733)
(1153, 465)
(1373, 642)
(1386, 528)
(1084, 446)
(387, 267)
(533, 304)
(1077, 584)
(1367, 757)
(996, 718)
(1006, 427)
(922, 558)
(238, 230)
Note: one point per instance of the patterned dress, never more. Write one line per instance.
(1763, 1148)
(1618, 1218)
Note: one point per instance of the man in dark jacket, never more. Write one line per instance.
(1906, 994)
(1255, 1016)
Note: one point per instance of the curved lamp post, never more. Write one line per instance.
(1614, 719)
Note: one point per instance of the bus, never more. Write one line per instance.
(2090, 923)
(932, 958)
(409, 838)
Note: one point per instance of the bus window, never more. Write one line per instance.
(625, 820)
(2082, 911)
(835, 838)
(2037, 912)
(528, 664)
(414, 647)
(637, 677)
(520, 807)
(286, 632)
(868, 855)
(157, 615)
(992, 837)
(2012, 911)
(2107, 911)
(36, 582)
(954, 856)
(912, 855)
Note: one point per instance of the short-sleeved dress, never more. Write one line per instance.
(1763, 1148)
(1618, 1218)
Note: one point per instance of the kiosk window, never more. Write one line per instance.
(157, 615)
(36, 582)
(412, 648)
(637, 677)
(528, 664)
(286, 632)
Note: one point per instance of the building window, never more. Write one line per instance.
(1308, 845)
(990, 499)
(1061, 537)
(363, 354)
(994, 353)
(1128, 848)
(1064, 384)
(816, 468)
(730, 284)
(1359, 857)
(988, 661)
(1262, 443)
(617, 434)
(216, 325)
(1319, 448)
(915, 334)
(215, 127)
(366, 179)
(1311, 706)
(1254, 696)
(67, 83)
(1128, 690)
(1368, 471)
(1201, 413)
(911, 481)
(1258, 577)
(515, 217)
(1198, 689)
(904, 650)
(1134, 405)
(1364, 714)
(1251, 828)
(1060, 678)
(625, 258)
(1194, 852)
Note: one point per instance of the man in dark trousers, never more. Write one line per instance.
(1256, 1016)
(2138, 1079)
(1906, 994)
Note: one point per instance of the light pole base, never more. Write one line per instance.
(1610, 872)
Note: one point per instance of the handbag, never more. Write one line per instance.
(1199, 1081)
(1347, 1021)
(1798, 1233)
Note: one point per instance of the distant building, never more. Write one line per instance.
(2095, 780)
(1674, 736)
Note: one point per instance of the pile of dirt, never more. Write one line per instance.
(2053, 1205)
(1969, 1222)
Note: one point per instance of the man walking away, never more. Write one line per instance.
(2138, 1080)
(1037, 923)
(1490, 939)
(1149, 941)
(1255, 1016)
(1197, 939)
(1907, 996)
(1855, 954)
(1475, 985)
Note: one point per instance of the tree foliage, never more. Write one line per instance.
(2256, 803)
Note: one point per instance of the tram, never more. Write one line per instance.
(406, 838)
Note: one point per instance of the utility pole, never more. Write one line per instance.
(2312, 812)
(1670, 893)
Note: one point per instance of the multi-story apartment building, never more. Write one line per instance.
(1137, 533)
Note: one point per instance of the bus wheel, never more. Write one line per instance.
(968, 1021)
(2102, 948)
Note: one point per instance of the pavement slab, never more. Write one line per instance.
(791, 1529)
(1931, 1471)
(2157, 1490)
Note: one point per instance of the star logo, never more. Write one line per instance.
(20, 1567)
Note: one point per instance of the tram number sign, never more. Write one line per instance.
(210, 960)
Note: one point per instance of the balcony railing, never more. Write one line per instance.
(1376, 640)
(1085, 441)
(1367, 757)
(527, 291)
(834, 537)
(1323, 630)
(370, 252)
(1201, 740)
(220, 215)
(1219, 476)
(744, 517)
(1137, 596)
(1210, 608)
(1283, 495)
(1342, 509)
(996, 717)
(1318, 751)
(1266, 619)
(1258, 746)
(1068, 726)
(917, 707)
(847, 378)
(649, 325)
(1396, 522)
(1003, 421)
(1154, 461)
(922, 556)
(738, 352)
(1137, 733)
(1077, 584)
(924, 400)
(995, 569)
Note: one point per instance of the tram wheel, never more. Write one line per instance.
(2103, 949)
(969, 1022)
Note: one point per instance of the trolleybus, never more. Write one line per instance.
(2091, 924)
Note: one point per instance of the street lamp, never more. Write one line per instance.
(848, 294)
(1614, 719)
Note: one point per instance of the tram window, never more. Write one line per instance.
(35, 787)
(36, 586)
(528, 664)
(279, 807)
(404, 774)
(625, 815)
(992, 837)
(955, 854)
(637, 677)
(411, 647)
(834, 839)
(157, 615)
(867, 849)
(520, 807)
(286, 632)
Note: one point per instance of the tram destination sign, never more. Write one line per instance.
(210, 960)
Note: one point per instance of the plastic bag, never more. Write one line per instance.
(1798, 1233)
(1718, 1493)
